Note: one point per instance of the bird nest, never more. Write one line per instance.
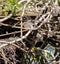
(24, 35)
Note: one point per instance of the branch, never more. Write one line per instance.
(9, 16)
(16, 40)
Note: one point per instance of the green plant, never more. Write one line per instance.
(10, 6)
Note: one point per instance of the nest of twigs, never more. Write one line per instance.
(37, 27)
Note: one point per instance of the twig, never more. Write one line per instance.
(19, 47)
(21, 20)
(12, 33)
(9, 16)
(45, 21)
(16, 40)
(4, 57)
